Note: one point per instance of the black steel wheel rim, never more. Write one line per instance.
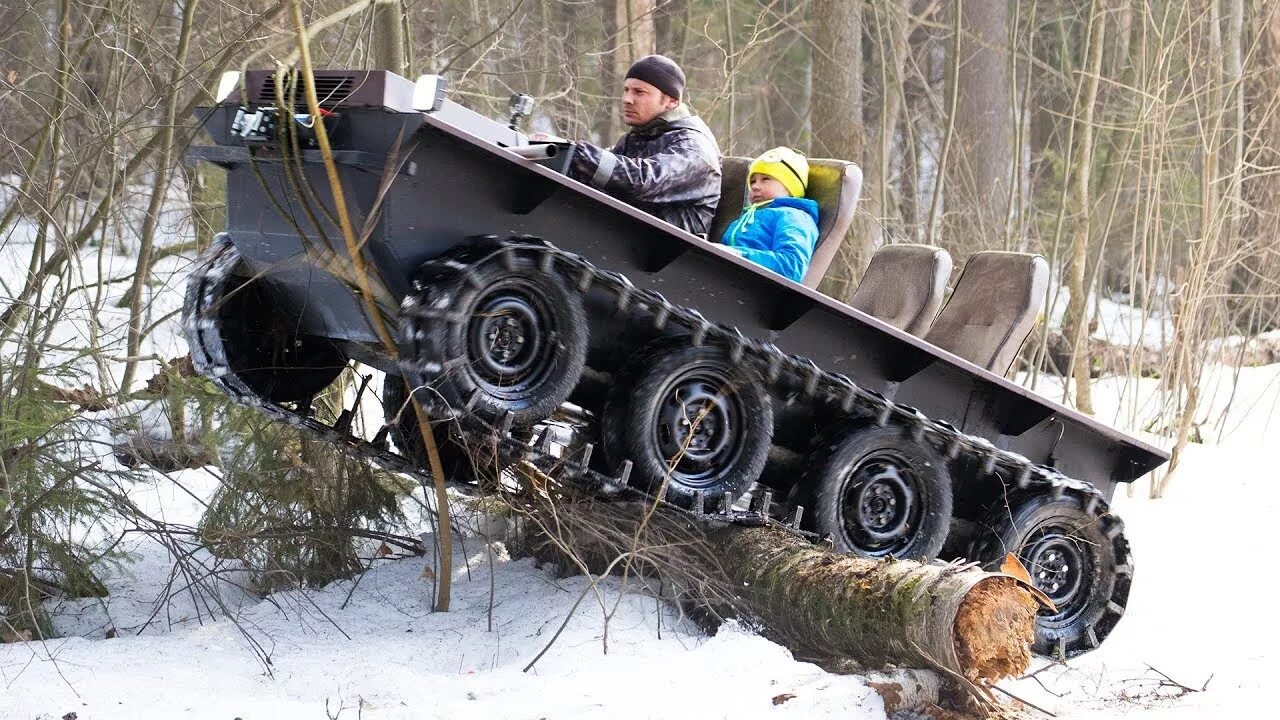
(509, 340)
(880, 505)
(699, 425)
(1059, 564)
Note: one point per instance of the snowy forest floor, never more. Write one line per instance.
(1192, 644)
(376, 646)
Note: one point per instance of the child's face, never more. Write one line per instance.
(764, 187)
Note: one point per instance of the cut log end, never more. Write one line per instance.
(994, 629)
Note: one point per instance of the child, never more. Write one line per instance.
(779, 227)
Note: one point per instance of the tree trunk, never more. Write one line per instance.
(629, 27)
(917, 114)
(670, 28)
(159, 189)
(836, 115)
(818, 603)
(636, 34)
(1076, 321)
(893, 25)
(786, 85)
(388, 36)
(629, 24)
(1258, 272)
(207, 190)
(12, 315)
(977, 186)
(878, 613)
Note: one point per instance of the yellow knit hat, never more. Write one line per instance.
(784, 165)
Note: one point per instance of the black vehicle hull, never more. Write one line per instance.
(447, 185)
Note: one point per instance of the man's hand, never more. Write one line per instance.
(545, 138)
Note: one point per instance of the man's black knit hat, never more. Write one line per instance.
(661, 72)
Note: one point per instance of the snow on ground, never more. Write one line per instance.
(1120, 320)
(1198, 613)
(97, 262)
(375, 648)
(384, 650)
(1236, 408)
(1200, 608)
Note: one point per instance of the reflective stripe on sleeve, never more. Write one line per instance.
(604, 170)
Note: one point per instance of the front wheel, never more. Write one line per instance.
(1077, 555)
(687, 416)
(497, 337)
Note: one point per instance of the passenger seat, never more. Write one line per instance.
(904, 285)
(992, 309)
(834, 184)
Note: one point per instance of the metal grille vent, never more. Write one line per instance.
(330, 90)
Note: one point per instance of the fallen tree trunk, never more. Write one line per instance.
(822, 605)
(893, 612)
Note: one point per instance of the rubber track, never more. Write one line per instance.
(785, 372)
(204, 289)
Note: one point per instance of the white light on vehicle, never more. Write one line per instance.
(429, 92)
(229, 81)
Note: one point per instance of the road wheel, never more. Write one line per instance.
(454, 456)
(243, 321)
(691, 417)
(877, 493)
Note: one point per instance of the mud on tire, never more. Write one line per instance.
(877, 493)
(1076, 553)
(673, 400)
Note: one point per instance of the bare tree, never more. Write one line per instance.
(1257, 280)
(1076, 322)
(388, 36)
(976, 194)
(838, 129)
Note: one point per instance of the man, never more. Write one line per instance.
(669, 163)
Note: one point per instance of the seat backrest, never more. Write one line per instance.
(733, 195)
(992, 309)
(833, 184)
(904, 285)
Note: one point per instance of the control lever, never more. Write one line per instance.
(539, 151)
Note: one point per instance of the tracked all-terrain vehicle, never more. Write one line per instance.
(516, 295)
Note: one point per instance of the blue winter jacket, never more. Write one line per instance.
(777, 234)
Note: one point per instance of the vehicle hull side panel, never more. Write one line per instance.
(448, 187)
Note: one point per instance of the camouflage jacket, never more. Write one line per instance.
(669, 168)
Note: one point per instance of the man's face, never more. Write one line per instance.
(642, 102)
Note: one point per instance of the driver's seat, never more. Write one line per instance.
(834, 184)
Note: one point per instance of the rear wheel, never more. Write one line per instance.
(244, 322)
(691, 417)
(877, 493)
(498, 337)
(1076, 554)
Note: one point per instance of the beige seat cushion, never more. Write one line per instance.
(904, 285)
(992, 309)
(833, 184)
